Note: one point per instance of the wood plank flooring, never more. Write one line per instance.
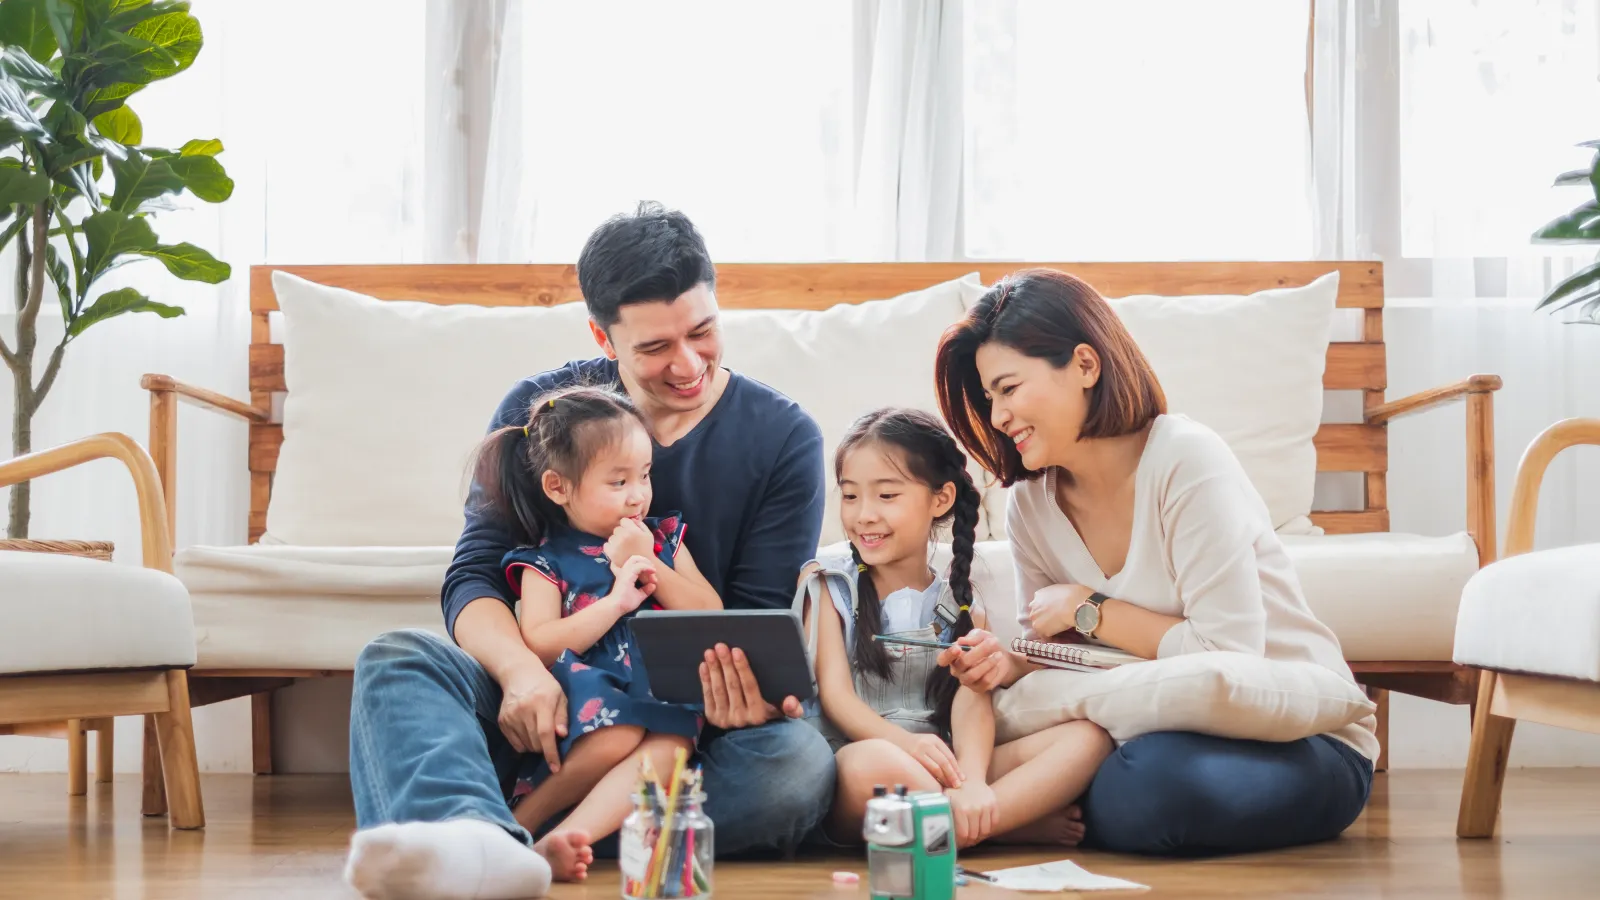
(284, 836)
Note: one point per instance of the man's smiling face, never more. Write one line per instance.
(668, 351)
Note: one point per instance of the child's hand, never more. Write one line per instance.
(976, 810)
(636, 580)
(629, 539)
(934, 755)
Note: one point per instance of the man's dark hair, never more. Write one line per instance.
(654, 254)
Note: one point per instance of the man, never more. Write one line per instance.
(436, 728)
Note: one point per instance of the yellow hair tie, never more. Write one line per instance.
(524, 431)
(861, 567)
(967, 608)
(552, 403)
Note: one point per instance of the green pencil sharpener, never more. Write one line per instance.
(911, 846)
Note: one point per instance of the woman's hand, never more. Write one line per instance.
(1052, 609)
(636, 581)
(983, 668)
(934, 755)
(975, 809)
(629, 539)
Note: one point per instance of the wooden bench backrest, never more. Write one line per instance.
(1357, 365)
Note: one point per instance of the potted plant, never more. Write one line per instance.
(68, 69)
(1580, 226)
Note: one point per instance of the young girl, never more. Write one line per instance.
(891, 713)
(574, 485)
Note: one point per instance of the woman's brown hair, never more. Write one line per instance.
(1045, 314)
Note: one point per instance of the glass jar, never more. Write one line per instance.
(681, 865)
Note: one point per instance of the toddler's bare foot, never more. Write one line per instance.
(1058, 829)
(568, 853)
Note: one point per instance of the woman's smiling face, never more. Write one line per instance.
(1038, 407)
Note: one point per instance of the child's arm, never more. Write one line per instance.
(860, 722)
(972, 731)
(681, 586)
(547, 632)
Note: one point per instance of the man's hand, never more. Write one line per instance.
(630, 538)
(976, 810)
(1051, 609)
(933, 754)
(533, 712)
(983, 668)
(732, 697)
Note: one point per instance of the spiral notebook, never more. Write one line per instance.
(1077, 657)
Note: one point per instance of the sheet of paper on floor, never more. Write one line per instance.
(1061, 875)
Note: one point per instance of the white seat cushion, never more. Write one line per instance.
(1386, 596)
(63, 613)
(287, 607)
(1537, 613)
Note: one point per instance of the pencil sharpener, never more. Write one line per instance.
(911, 849)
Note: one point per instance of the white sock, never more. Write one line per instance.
(459, 859)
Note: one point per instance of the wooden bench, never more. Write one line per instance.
(1351, 366)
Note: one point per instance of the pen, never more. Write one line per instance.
(981, 876)
(937, 645)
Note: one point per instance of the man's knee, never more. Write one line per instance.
(405, 646)
(796, 754)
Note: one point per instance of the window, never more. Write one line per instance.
(1137, 130)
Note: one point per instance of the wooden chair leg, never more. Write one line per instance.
(261, 732)
(1486, 765)
(104, 750)
(179, 765)
(155, 786)
(77, 759)
(1380, 696)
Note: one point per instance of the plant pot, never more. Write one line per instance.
(100, 550)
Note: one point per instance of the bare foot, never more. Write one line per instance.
(568, 853)
(1058, 829)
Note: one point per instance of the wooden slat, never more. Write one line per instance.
(1357, 522)
(265, 442)
(819, 285)
(1351, 367)
(1352, 448)
(56, 698)
(1564, 703)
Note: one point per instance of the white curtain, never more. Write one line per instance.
(1438, 127)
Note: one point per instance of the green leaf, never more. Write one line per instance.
(20, 186)
(127, 13)
(1576, 176)
(197, 147)
(62, 279)
(110, 234)
(1578, 281)
(176, 35)
(139, 178)
(59, 14)
(190, 262)
(23, 24)
(124, 59)
(17, 118)
(115, 303)
(12, 230)
(203, 176)
(121, 125)
(1580, 226)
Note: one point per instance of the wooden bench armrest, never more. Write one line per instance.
(153, 528)
(1405, 406)
(1478, 391)
(1530, 475)
(165, 391)
(157, 384)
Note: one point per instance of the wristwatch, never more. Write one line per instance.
(1086, 618)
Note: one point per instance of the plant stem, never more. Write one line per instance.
(30, 295)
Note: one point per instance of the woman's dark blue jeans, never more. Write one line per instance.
(1183, 794)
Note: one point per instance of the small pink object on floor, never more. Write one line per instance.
(846, 878)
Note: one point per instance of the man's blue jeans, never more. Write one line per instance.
(425, 745)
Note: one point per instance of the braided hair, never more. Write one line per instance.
(930, 456)
(563, 432)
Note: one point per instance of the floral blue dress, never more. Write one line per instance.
(600, 683)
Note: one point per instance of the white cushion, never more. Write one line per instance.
(267, 606)
(1536, 612)
(845, 361)
(63, 613)
(387, 399)
(1223, 693)
(1250, 368)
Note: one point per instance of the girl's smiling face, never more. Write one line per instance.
(887, 514)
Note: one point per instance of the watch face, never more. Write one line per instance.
(1086, 617)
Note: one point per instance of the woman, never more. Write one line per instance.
(1140, 530)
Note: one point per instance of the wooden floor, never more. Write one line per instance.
(285, 836)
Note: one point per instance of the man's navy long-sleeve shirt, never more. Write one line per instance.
(748, 480)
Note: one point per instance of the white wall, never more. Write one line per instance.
(1550, 372)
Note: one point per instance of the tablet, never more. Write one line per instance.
(671, 645)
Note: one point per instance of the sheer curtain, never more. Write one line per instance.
(1438, 127)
